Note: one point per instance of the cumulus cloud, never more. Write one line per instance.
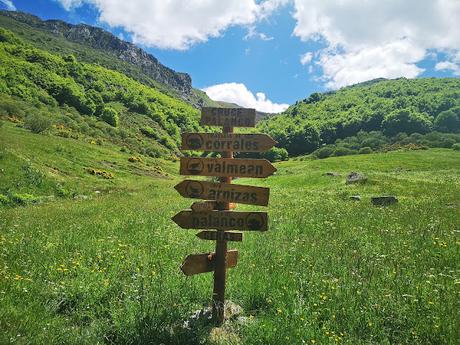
(452, 64)
(69, 4)
(178, 24)
(239, 94)
(374, 38)
(8, 4)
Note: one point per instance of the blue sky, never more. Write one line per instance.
(267, 54)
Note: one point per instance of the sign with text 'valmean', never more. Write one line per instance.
(258, 168)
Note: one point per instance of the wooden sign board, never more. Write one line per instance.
(228, 117)
(222, 220)
(224, 167)
(210, 205)
(204, 206)
(202, 263)
(215, 235)
(224, 192)
(227, 142)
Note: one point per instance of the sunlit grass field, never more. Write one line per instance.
(104, 269)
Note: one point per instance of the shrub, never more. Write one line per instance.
(406, 120)
(110, 116)
(37, 123)
(456, 147)
(302, 139)
(4, 200)
(11, 108)
(100, 173)
(135, 159)
(365, 150)
(343, 151)
(149, 132)
(24, 199)
(324, 152)
(448, 121)
(276, 154)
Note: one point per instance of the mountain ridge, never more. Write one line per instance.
(97, 38)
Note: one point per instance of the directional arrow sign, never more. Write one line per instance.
(226, 167)
(214, 235)
(224, 192)
(228, 117)
(227, 142)
(204, 206)
(222, 220)
(201, 263)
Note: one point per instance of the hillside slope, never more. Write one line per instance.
(94, 45)
(66, 97)
(391, 106)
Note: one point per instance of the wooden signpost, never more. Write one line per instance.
(214, 235)
(224, 192)
(227, 142)
(222, 220)
(224, 167)
(219, 198)
(228, 117)
(202, 263)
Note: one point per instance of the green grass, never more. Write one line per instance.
(329, 270)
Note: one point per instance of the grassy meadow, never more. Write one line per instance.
(92, 260)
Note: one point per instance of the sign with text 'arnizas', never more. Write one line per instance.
(219, 198)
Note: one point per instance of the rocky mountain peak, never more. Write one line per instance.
(100, 39)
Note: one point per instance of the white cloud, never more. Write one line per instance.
(305, 59)
(448, 66)
(374, 38)
(239, 94)
(69, 4)
(178, 24)
(8, 4)
(451, 64)
(391, 60)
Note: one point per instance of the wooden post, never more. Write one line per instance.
(218, 296)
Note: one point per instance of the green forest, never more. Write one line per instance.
(384, 107)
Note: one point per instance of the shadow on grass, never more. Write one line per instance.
(164, 330)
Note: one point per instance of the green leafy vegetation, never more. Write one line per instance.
(388, 106)
(86, 101)
(365, 143)
(45, 37)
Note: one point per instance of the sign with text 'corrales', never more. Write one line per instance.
(227, 142)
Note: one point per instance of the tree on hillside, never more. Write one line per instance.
(302, 139)
(448, 121)
(406, 120)
(110, 116)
